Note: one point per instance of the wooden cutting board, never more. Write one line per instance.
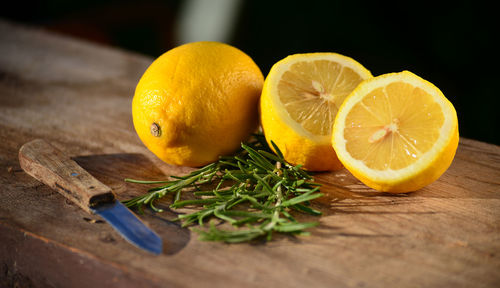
(78, 96)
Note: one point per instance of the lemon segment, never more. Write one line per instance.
(396, 132)
(299, 101)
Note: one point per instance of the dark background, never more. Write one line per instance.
(452, 44)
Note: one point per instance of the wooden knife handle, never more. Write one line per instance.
(52, 167)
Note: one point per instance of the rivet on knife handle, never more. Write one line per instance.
(52, 167)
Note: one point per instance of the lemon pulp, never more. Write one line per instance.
(312, 92)
(393, 126)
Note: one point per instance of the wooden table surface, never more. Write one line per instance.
(78, 96)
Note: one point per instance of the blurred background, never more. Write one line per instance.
(454, 45)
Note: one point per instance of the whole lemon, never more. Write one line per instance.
(196, 102)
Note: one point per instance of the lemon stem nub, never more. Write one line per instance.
(155, 130)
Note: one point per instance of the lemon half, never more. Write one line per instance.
(299, 102)
(396, 132)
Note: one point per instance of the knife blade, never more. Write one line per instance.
(53, 168)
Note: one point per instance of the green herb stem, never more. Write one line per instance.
(256, 187)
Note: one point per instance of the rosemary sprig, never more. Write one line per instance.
(256, 188)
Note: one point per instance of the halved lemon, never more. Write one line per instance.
(396, 132)
(300, 98)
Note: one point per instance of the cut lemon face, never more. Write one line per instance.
(396, 132)
(300, 99)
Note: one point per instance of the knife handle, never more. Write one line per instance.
(52, 167)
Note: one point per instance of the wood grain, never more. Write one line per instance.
(56, 170)
(78, 97)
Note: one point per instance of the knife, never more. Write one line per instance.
(52, 167)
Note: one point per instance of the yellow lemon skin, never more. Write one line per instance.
(196, 102)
